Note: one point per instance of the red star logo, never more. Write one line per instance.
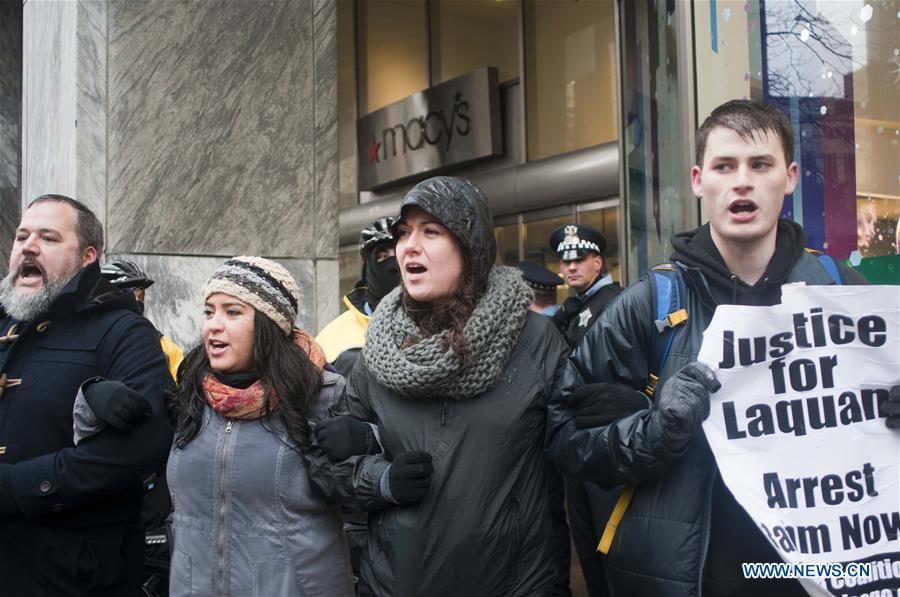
(373, 150)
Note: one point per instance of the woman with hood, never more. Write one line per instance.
(455, 374)
(247, 521)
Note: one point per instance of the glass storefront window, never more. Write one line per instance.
(538, 228)
(832, 66)
(393, 51)
(570, 63)
(507, 237)
(657, 131)
(605, 218)
(468, 34)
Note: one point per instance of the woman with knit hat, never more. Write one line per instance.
(247, 521)
(455, 374)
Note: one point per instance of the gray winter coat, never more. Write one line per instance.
(247, 522)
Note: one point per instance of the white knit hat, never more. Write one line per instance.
(263, 284)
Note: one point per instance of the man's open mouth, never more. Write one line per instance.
(742, 206)
(30, 271)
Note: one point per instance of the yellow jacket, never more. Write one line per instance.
(346, 331)
(174, 355)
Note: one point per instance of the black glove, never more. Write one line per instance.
(891, 407)
(410, 476)
(7, 501)
(116, 404)
(599, 404)
(343, 437)
(683, 404)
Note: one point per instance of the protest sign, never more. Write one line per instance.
(798, 432)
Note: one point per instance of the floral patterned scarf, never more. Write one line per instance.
(247, 403)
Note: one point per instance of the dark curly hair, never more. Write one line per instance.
(290, 378)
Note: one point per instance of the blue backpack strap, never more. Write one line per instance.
(669, 298)
(828, 264)
(831, 267)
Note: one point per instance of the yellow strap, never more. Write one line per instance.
(678, 317)
(675, 318)
(616, 517)
(651, 387)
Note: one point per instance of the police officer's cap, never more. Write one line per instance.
(538, 277)
(574, 241)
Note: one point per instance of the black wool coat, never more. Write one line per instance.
(77, 530)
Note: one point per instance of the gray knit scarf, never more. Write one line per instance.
(426, 369)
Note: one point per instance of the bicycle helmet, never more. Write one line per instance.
(125, 274)
(376, 233)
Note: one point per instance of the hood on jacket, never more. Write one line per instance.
(463, 209)
(87, 290)
(695, 248)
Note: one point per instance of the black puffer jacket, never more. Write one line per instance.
(662, 543)
(484, 527)
(77, 530)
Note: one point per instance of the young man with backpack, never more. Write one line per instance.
(676, 529)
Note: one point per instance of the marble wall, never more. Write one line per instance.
(64, 101)
(212, 128)
(207, 129)
(48, 98)
(10, 106)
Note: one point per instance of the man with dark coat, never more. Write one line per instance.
(74, 352)
(683, 533)
(580, 249)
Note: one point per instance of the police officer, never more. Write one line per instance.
(580, 250)
(544, 284)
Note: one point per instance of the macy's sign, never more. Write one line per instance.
(455, 122)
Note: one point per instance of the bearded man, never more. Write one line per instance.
(82, 417)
